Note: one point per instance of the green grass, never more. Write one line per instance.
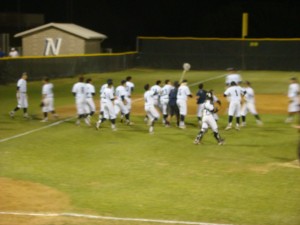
(130, 173)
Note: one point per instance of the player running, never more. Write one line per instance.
(249, 105)
(121, 101)
(90, 93)
(208, 120)
(107, 99)
(164, 101)
(150, 109)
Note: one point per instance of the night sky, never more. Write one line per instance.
(123, 20)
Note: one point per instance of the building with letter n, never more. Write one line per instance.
(55, 39)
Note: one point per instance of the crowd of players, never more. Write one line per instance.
(168, 99)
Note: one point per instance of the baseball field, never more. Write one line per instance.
(57, 173)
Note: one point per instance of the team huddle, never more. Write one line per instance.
(168, 100)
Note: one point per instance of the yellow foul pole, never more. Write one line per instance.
(245, 25)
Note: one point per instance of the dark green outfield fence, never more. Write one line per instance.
(217, 53)
(53, 67)
(165, 53)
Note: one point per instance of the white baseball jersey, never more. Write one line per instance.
(293, 95)
(235, 95)
(129, 87)
(119, 104)
(156, 89)
(22, 85)
(249, 96)
(21, 95)
(151, 111)
(183, 92)
(164, 97)
(208, 119)
(107, 97)
(79, 89)
(47, 90)
(90, 90)
(249, 104)
(233, 77)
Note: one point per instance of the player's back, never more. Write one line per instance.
(235, 93)
(183, 92)
(149, 98)
(121, 91)
(48, 90)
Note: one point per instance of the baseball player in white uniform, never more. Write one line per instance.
(107, 100)
(121, 101)
(90, 93)
(101, 104)
(150, 109)
(22, 97)
(293, 96)
(235, 93)
(233, 76)
(182, 94)
(79, 91)
(208, 120)
(164, 101)
(216, 100)
(249, 105)
(129, 88)
(47, 99)
(156, 88)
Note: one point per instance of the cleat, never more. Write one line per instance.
(237, 127)
(98, 125)
(12, 114)
(243, 124)
(26, 116)
(129, 123)
(87, 121)
(44, 120)
(151, 130)
(182, 127)
(221, 142)
(259, 122)
(196, 141)
(228, 127)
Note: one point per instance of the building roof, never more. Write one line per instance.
(67, 27)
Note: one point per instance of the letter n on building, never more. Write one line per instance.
(51, 47)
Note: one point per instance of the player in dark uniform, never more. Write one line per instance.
(201, 96)
(173, 107)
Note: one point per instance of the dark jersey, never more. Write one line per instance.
(202, 96)
(173, 97)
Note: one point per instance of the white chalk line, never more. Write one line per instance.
(107, 218)
(35, 130)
